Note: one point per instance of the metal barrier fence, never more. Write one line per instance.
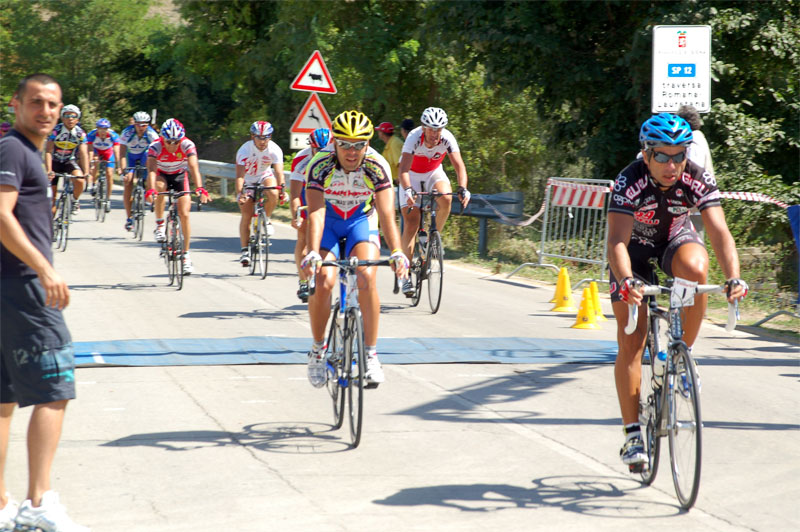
(574, 226)
(223, 171)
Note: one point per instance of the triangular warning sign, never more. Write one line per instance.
(312, 116)
(314, 77)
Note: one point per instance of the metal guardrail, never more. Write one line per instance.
(575, 224)
(223, 171)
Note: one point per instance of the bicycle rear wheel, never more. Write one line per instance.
(177, 239)
(357, 366)
(335, 366)
(649, 405)
(435, 272)
(262, 243)
(685, 428)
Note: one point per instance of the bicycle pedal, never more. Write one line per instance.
(638, 468)
(371, 385)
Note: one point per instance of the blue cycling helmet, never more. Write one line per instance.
(665, 129)
(172, 129)
(103, 122)
(261, 129)
(319, 138)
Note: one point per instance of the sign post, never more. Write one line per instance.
(681, 68)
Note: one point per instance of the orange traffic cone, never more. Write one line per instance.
(587, 318)
(598, 310)
(563, 298)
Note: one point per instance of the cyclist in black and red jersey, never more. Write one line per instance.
(649, 218)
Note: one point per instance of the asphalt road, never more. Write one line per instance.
(497, 435)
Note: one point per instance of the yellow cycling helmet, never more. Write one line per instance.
(352, 125)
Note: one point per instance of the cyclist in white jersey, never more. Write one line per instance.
(258, 161)
(421, 167)
(133, 142)
(318, 139)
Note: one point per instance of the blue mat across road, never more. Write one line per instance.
(283, 350)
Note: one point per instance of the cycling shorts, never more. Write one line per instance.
(66, 167)
(178, 182)
(424, 181)
(640, 259)
(108, 157)
(304, 212)
(248, 193)
(37, 359)
(134, 158)
(354, 230)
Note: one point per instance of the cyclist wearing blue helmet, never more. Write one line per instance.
(317, 139)
(103, 144)
(648, 218)
(258, 161)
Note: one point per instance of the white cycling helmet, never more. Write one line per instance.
(70, 109)
(434, 117)
(141, 116)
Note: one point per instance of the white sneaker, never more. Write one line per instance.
(270, 229)
(317, 374)
(160, 233)
(8, 513)
(51, 516)
(245, 258)
(188, 267)
(374, 370)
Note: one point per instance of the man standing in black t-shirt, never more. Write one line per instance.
(37, 362)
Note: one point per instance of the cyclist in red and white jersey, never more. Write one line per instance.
(318, 139)
(103, 144)
(168, 160)
(421, 167)
(258, 161)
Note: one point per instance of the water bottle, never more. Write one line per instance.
(423, 239)
(659, 367)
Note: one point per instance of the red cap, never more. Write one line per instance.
(386, 127)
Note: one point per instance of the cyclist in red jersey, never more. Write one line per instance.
(169, 161)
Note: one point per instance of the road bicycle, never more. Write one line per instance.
(63, 215)
(346, 359)
(427, 262)
(259, 238)
(101, 202)
(669, 403)
(137, 200)
(172, 248)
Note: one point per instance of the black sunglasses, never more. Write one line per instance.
(261, 137)
(661, 157)
(172, 141)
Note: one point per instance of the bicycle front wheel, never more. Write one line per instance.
(253, 245)
(685, 427)
(138, 213)
(357, 366)
(649, 406)
(177, 239)
(58, 222)
(65, 221)
(335, 365)
(262, 243)
(99, 194)
(435, 270)
(416, 274)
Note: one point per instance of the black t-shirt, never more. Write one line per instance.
(21, 166)
(660, 215)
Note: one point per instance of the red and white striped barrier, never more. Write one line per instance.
(753, 196)
(566, 194)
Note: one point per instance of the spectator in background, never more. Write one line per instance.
(393, 147)
(698, 151)
(5, 127)
(405, 127)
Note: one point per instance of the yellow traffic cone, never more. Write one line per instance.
(563, 299)
(598, 310)
(586, 315)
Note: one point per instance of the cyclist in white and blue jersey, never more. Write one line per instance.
(349, 189)
(133, 142)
